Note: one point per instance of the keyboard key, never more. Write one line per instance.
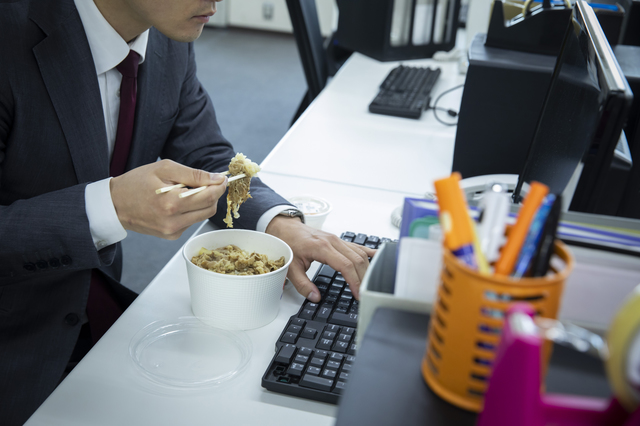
(349, 320)
(336, 357)
(327, 271)
(294, 329)
(324, 344)
(299, 322)
(340, 347)
(322, 281)
(316, 382)
(334, 365)
(329, 335)
(317, 362)
(344, 376)
(305, 351)
(342, 303)
(329, 373)
(307, 314)
(346, 296)
(352, 349)
(360, 239)
(373, 239)
(339, 387)
(295, 369)
(309, 333)
(323, 314)
(314, 370)
(285, 354)
(332, 327)
(289, 338)
(301, 359)
(348, 236)
(343, 337)
(321, 354)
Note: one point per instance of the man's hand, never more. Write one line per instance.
(309, 244)
(166, 215)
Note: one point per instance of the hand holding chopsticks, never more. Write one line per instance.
(194, 190)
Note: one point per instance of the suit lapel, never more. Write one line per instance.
(151, 102)
(67, 68)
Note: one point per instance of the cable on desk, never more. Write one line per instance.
(451, 112)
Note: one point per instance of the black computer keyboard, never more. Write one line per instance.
(405, 92)
(316, 349)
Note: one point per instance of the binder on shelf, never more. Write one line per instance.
(392, 30)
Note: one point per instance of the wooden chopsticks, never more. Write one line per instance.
(194, 190)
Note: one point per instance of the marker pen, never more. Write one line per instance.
(454, 219)
(532, 241)
(492, 220)
(542, 258)
(518, 233)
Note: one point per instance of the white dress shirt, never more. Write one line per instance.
(108, 49)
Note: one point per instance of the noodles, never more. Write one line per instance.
(239, 189)
(232, 260)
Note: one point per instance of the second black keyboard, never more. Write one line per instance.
(405, 92)
(316, 349)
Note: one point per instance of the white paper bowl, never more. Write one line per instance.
(236, 302)
(315, 209)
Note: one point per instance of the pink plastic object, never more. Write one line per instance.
(514, 395)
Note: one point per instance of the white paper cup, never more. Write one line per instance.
(236, 302)
(315, 209)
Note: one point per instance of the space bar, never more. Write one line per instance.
(348, 320)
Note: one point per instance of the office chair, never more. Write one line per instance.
(306, 29)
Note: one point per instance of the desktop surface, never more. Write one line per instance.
(338, 133)
(399, 335)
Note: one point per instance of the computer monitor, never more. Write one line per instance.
(583, 114)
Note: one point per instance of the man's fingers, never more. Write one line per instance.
(172, 172)
(298, 277)
(352, 260)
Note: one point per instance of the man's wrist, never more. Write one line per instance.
(292, 212)
(280, 221)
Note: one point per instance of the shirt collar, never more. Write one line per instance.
(107, 47)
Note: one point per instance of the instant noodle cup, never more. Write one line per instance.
(236, 302)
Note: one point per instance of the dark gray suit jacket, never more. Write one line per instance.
(52, 143)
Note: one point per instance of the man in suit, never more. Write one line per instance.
(63, 211)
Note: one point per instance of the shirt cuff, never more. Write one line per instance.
(104, 224)
(267, 216)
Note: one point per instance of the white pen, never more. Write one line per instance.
(492, 221)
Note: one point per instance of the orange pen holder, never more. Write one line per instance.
(467, 319)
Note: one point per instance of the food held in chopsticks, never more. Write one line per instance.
(239, 189)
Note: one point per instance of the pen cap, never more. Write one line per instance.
(454, 214)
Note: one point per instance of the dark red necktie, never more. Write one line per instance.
(103, 308)
(128, 88)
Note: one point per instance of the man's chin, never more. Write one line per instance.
(185, 36)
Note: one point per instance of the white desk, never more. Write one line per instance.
(106, 389)
(337, 134)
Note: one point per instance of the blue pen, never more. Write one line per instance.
(530, 245)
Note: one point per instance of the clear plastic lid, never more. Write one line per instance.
(310, 205)
(187, 353)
